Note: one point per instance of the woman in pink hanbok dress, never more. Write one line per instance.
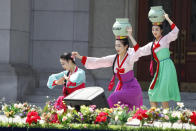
(164, 86)
(128, 90)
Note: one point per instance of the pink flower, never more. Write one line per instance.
(64, 118)
(129, 119)
(166, 117)
(93, 107)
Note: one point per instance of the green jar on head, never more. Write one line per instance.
(156, 14)
(120, 26)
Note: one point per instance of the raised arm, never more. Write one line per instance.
(173, 34)
(168, 19)
(130, 34)
(138, 51)
(95, 63)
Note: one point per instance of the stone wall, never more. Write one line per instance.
(16, 75)
(58, 26)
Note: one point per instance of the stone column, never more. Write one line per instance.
(15, 73)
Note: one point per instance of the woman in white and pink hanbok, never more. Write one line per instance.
(128, 90)
(164, 86)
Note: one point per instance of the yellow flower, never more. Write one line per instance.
(153, 108)
(111, 110)
(7, 114)
(11, 112)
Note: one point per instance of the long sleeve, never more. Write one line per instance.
(132, 53)
(142, 51)
(95, 63)
(54, 77)
(172, 35)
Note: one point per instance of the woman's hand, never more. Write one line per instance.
(168, 19)
(166, 16)
(77, 55)
(60, 81)
(66, 77)
(129, 30)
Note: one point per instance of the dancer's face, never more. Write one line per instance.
(65, 64)
(120, 48)
(156, 31)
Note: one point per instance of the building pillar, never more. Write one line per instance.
(16, 76)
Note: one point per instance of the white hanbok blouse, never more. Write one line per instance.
(164, 42)
(107, 61)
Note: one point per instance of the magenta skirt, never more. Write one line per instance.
(130, 93)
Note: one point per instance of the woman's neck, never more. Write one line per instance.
(158, 38)
(122, 54)
(72, 68)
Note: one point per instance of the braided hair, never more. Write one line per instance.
(163, 33)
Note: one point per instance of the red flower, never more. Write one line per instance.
(144, 114)
(102, 117)
(139, 117)
(32, 117)
(193, 118)
(140, 114)
(103, 114)
(54, 118)
(98, 119)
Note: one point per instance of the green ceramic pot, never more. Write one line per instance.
(156, 14)
(120, 26)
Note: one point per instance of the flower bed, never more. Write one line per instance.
(25, 116)
(76, 127)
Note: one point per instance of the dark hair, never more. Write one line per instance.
(125, 42)
(161, 26)
(163, 33)
(165, 26)
(67, 57)
(152, 57)
(166, 29)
